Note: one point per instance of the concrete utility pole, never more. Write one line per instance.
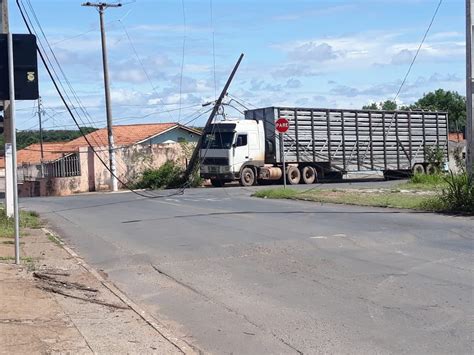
(469, 87)
(41, 136)
(101, 6)
(9, 205)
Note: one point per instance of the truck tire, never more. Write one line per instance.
(247, 177)
(431, 169)
(308, 175)
(418, 169)
(217, 182)
(293, 175)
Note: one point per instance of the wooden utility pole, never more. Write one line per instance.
(469, 87)
(101, 6)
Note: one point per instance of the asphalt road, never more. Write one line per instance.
(242, 275)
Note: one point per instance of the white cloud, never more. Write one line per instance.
(364, 50)
(294, 70)
(314, 51)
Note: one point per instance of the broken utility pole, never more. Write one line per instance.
(195, 157)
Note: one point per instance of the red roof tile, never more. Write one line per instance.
(123, 135)
(32, 153)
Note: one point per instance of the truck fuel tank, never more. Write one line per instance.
(270, 173)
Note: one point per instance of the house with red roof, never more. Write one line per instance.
(63, 168)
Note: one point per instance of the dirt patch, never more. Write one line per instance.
(52, 304)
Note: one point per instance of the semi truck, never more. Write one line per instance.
(320, 143)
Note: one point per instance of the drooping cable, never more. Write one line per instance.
(417, 51)
(63, 99)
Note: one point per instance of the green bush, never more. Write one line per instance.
(457, 196)
(168, 176)
(435, 157)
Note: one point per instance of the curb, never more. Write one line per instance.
(181, 345)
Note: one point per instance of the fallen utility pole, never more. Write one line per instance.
(194, 158)
(101, 6)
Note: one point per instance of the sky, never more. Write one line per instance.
(168, 57)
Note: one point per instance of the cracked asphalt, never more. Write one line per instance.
(234, 274)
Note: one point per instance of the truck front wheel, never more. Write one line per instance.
(247, 177)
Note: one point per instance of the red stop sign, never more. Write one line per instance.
(282, 125)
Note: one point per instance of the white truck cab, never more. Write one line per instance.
(231, 150)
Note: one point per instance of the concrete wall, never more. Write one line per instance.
(131, 162)
(59, 186)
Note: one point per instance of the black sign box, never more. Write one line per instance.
(25, 67)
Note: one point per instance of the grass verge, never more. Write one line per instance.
(394, 199)
(28, 219)
(425, 182)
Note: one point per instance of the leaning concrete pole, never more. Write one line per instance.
(469, 87)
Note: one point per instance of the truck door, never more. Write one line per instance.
(240, 151)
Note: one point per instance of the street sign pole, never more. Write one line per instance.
(282, 135)
(11, 77)
(282, 125)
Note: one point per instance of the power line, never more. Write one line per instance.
(417, 51)
(139, 59)
(53, 79)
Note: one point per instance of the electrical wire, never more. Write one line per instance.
(139, 59)
(24, 16)
(417, 51)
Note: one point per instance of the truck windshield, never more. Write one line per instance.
(218, 140)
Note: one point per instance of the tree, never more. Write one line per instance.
(25, 138)
(449, 101)
(439, 100)
(387, 105)
(372, 106)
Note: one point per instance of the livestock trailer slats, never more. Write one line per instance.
(354, 140)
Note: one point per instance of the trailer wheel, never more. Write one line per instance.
(308, 174)
(431, 169)
(418, 169)
(247, 177)
(293, 175)
(217, 182)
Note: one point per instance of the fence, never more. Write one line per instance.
(66, 166)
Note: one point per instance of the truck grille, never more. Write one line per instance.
(215, 161)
